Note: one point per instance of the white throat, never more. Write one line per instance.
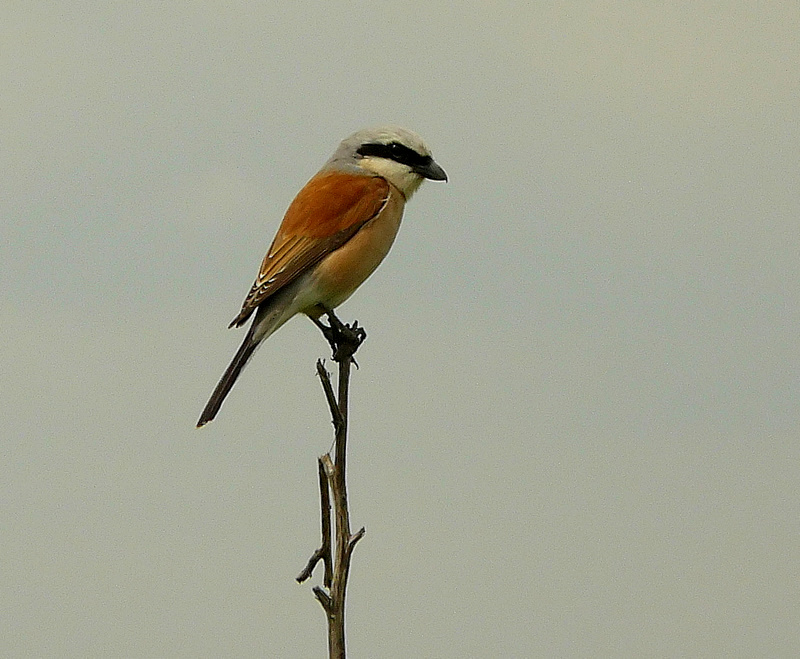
(399, 175)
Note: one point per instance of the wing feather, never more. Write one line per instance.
(326, 213)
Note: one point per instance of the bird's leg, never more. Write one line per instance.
(343, 339)
(327, 332)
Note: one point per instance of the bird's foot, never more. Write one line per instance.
(343, 339)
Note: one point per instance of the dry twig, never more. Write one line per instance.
(345, 341)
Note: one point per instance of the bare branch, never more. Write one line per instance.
(324, 551)
(327, 464)
(356, 537)
(323, 598)
(345, 341)
(325, 378)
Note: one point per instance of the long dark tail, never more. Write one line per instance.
(228, 379)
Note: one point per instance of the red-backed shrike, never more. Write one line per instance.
(333, 236)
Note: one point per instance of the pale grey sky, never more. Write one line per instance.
(575, 426)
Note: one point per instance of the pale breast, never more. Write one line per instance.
(344, 270)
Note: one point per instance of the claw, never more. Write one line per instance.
(343, 339)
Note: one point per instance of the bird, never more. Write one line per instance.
(334, 234)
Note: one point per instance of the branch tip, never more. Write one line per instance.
(323, 598)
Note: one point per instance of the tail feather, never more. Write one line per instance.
(228, 379)
(269, 317)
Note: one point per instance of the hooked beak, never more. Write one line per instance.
(431, 170)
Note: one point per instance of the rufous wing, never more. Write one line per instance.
(326, 213)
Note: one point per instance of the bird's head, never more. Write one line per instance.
(396, 154)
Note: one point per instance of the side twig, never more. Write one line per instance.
(324, 551)
(345, 341)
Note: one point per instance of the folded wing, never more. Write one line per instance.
(326, 213)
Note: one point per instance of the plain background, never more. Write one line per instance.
(575, 426)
